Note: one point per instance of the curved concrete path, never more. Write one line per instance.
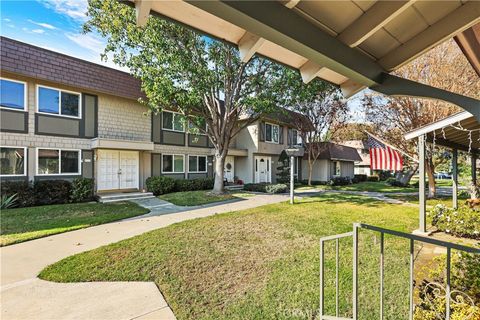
(24, 296)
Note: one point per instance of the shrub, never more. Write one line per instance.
(373, 178)
(266, 187)
(52, 191)
(359, 178)
(394, 182)
(82, 190)
(7, 202)
(315, 182)
(340, 181)
(463, 222)
(384, 175)
(194, 184)
(160, 184)
(23, 190)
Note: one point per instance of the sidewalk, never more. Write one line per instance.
(24, 296)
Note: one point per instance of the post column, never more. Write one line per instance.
(421, 185)
(474, 168)
(292, 163)
(454, 178)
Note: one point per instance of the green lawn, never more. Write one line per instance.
(447, 201)
(363, 186)
(22, 224)
(195, 198)
(261, 263)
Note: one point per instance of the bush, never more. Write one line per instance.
(315, 182)
(52, 191)
(23, 190)
(373, 178)
(340, 181)
(395, 183)
(359, 178)
(384, 175)
(160, 185)
(82, 190)
(266, 187)
(463, 222)
(194, 184)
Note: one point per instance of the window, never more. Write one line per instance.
(272, 132)
(197, 164)
(13, 94)
(58, 102)
(336, 168)
(12, 161)
(57, 161)
(201, 129)
(172, 163)
(173, 121)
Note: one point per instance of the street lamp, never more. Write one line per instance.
(292, 153)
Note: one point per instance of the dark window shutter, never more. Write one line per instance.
(262, 131)
(289, 137)
(280, 134)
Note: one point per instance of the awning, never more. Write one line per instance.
(354, 44)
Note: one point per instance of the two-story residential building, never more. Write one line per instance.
(62, 117)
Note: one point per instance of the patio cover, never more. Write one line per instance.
(354, 44)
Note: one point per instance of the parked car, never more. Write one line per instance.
(443, 175)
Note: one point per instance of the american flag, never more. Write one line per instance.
(383, 157)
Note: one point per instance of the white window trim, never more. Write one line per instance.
(173, 163)
(25, 162)
(79, 171)
(273, 125)
(198, 156)
(25, 95)
(173, 121)
(37, 93)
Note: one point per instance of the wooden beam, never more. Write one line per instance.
(142, 9)
(350, 88)
(457, 21)
(455, 178)
(248, 45)
(421, 185)
(473, 159)
(381, 13)
(450, 144)
(309, 71)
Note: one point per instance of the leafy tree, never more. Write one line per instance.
(326, 113)
(444, 67)
(202, 78)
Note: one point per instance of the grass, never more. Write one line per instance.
(24, 224)
(261, 263)
(447, 201)
(363, 186)
(196, 198)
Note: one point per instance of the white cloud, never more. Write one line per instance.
(39, 31)
(87, 41)
(43, 25)
(75, 9)
(7, 20)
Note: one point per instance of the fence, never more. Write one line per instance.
(412, 239)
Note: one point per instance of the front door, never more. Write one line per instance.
(229, 168)
(262, 169)
(117, 170)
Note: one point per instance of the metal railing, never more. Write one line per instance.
(412, 238)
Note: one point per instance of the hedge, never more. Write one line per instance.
(266, 187)
(461, 222)
(159, 185)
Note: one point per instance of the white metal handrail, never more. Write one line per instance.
(354, 234)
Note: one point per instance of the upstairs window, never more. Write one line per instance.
(58, 102)
(173, 121)
(272, 133)
(199, 128)
(13, 94)
(12, 161)
(57, 161)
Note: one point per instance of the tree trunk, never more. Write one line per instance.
(218, 186)
(310, 170)
(431, 178)
(405, 177)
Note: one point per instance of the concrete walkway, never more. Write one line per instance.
(24, 296)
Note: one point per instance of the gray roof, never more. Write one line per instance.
(333, 151)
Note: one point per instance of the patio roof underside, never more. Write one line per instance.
(354, 44)
(453, 137)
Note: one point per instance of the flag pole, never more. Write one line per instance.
(402, 152)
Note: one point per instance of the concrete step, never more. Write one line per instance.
(115, 197)
(234, 187)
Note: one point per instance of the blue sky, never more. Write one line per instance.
(57, 25)
(52, 24)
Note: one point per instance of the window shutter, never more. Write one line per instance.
(289, 137)
(262, 131)
(280, 134)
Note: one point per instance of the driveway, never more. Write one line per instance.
(24, 296)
